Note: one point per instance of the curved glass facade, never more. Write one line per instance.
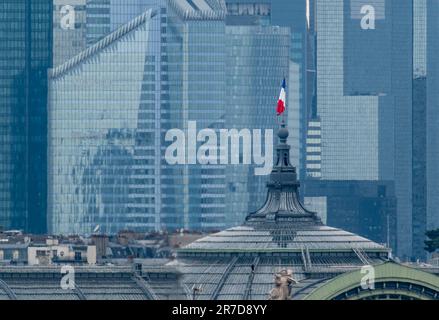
(110, 114)
(96, 107)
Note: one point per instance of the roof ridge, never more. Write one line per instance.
(103, 43)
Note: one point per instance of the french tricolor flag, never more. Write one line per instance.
(281, 103)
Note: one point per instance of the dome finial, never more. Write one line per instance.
(283, 132)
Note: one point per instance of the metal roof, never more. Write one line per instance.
(91, 282)
(270, 239)
(247, 277)
(240, 262)
(237, 263)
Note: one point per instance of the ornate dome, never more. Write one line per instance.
(239, 263)
(282, 223)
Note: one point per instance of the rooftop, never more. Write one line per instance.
(102, 283)
(240, 262)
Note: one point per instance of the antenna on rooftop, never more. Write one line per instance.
(97, 229)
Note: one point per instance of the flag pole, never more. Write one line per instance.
(285, 110)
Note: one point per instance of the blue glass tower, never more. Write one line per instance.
(425, 122)
(432, 116)
(25, 56)
(419, 217)
(198, 66)
(364, 87)
(102, 135)
(196, 75)
(258, 57)
(292, 15)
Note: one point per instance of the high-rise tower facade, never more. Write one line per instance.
(364, 87)
(25, 56)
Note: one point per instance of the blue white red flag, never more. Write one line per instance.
(281, 103)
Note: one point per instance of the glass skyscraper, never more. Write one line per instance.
(97, 104)
(25, 56)
(365, 207)
(292, 15)
(364, 91)
(257, 58)
(104, 16)
(228, 78)
(425, 122)
(98, 20)
(432, 116)
(109, 171)
(78, 24)
(196, 75)
(198, 66)
(419, 217)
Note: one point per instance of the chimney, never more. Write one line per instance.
(101, 243)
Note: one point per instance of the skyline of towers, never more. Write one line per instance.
(194, 58)
(361, 107)
(382, 80)
(364, 97)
